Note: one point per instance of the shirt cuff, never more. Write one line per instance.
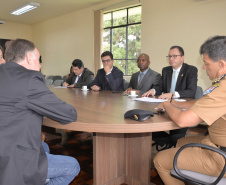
(154, 91)
(176, 94)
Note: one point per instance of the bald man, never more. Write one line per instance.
(146, 79)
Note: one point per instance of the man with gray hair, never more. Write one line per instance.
(24, 101)
(211, 108)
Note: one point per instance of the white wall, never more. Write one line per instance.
(181, 22)
(13, 31)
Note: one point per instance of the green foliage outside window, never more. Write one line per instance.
(122, 37)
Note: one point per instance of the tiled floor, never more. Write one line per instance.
(79, 145)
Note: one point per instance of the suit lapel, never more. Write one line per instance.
(169, 79)
(136, 80)
(144, 78)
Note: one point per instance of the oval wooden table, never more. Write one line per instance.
(121, 147)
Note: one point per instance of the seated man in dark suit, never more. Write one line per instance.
(24, 101)
(80, 76)
(180, 81)
(109, 77)
(146, 79)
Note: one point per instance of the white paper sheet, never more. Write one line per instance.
(153, 100)
(60, 87)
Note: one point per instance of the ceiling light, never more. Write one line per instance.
(25, 8)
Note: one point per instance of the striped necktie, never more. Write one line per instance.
(141, 77)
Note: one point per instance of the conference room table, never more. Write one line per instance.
(121, 147)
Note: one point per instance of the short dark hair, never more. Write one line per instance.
(16, 50)
(181, 50)
(107, 53)
(215, 48)
(78, 63)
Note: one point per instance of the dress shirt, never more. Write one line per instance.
(110, 72)
(76, 80)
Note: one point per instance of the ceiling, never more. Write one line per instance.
(48, 9)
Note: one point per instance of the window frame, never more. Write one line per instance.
(121, 26)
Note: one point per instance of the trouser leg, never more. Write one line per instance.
(45, 147)
(61, 169)
(188, 159)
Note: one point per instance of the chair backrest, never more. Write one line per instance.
(58, 82)
(50, 77)
(64, 78)
(198, 93)
(49, 81)
(126, 84)
(57, 77)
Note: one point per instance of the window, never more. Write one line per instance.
(122, 36)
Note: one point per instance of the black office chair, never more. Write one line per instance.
(58, 82)
(57, 77)
(195, 178)
(50, 77)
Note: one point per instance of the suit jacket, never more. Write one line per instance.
(151, 80)
(186, 82)
(85, 79)
(24, 100)
(112, 81)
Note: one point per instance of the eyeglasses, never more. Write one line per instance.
(108, 60)
(174, 56)
(40, 59)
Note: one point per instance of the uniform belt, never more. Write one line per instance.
(223, 148)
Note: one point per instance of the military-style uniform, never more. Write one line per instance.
(211, 108)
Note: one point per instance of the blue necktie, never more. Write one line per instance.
(174, 81)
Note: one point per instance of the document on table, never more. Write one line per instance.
(153, 100)
(60, 87)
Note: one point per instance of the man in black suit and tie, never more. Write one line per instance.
(109, 77)
(179, 80)
(146, 79)
(81, 76)
(24, 101)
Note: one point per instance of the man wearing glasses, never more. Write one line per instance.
(2, 61)
(109, 77)
(179, 80)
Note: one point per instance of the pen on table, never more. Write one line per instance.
(171, 97)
